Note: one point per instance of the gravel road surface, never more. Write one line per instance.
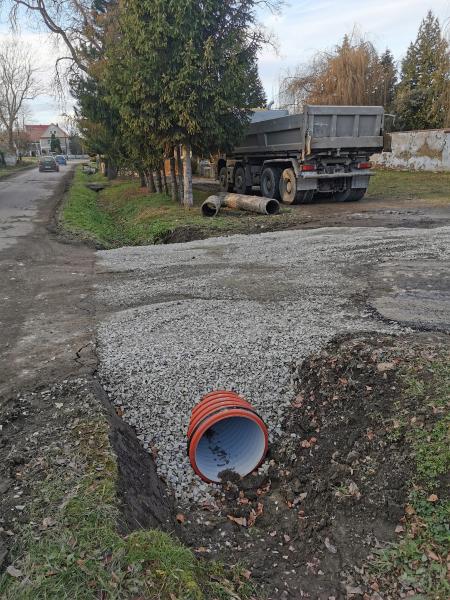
(184, 319)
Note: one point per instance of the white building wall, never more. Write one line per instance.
(427, 150)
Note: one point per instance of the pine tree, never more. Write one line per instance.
(55, 144)
(422, 95)
(389, 78)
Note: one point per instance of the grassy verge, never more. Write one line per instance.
(407, 185)
(419, 562)
(125, 214)
(26, 163)
(72, 549)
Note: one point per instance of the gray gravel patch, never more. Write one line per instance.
(233, 313)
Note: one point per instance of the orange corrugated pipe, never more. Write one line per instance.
(225, 434)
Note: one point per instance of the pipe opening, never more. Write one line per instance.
(233, 443)
(272, 207)
(209, 209)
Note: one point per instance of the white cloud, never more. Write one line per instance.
(303, 27)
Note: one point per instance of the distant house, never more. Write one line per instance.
(39, 138)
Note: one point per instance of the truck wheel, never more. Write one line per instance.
(240, 186)
(304, 197)
(223, 181)
(288, 186)
(270, 182)
(356, 195)
(342, 196)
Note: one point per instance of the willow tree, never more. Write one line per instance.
(351, 73)
(184, 72)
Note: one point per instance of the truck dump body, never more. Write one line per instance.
(295, 158)
(317, 129)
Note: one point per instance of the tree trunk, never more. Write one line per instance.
(11, 138)
(164, 179)
(187, 176)
(158, 181)
(142, 178)
(151, 182)
(180, 174)
(173, 180)
(111, 169)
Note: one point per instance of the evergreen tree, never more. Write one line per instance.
(55, 144)
(422, 95)
(389, 78)
(184, 72)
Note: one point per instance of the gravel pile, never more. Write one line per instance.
(232, 313)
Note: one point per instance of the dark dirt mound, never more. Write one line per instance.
(337, 484)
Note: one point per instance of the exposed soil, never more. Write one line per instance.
(338, 480)
(372, 211)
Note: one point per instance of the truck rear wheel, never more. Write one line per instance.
(223, 181)
(240, 186)
(288, 189)
(270, 182)
(342, 196)
(288, 186)
(356, 195)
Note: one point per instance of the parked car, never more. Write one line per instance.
(60, 159)
(48, 163)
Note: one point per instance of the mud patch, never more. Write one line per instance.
(337, 484)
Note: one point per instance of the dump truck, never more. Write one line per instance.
(296, 158)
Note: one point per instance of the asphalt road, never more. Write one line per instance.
(45, 315)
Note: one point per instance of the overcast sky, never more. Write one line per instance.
(303, 27)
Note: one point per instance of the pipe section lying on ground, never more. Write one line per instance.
(256, 204)
(225, 434)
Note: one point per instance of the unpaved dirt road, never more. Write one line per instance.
(45, 301)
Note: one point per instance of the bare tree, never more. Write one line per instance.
(17, 84)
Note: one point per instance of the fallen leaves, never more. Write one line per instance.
(385, 366)
(242, 521)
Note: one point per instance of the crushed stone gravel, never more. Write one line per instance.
(234, 313)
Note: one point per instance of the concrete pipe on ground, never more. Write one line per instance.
(256, 204)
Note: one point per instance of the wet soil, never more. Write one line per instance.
(337, 482)
(372, 211)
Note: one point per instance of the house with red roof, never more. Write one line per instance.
(39, 137)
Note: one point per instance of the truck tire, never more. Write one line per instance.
(288, 186)
(270, 182)
(240, 186)
(304, 197)
(288, 189)
(342, 196)
(356, 195)
(223, 181)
